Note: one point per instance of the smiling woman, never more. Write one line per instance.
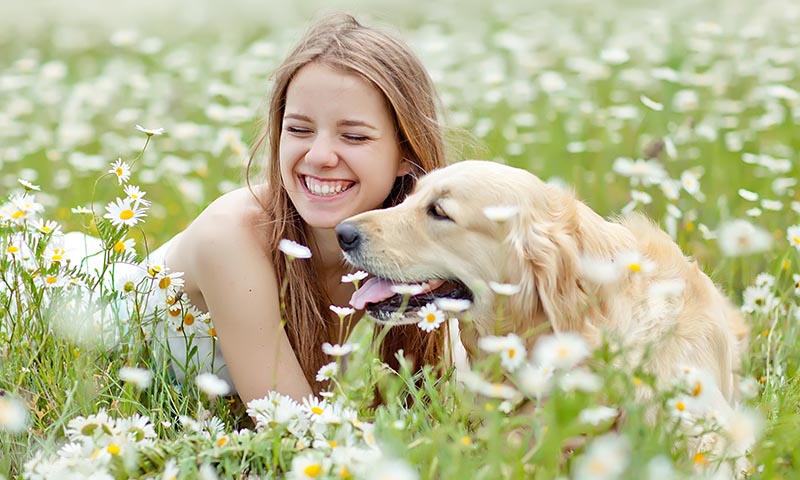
(352, 123)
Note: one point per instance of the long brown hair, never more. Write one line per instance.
(339, 41)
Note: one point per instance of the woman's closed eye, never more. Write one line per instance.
(298, 130)
(355, 138)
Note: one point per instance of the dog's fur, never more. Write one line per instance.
(441, 231)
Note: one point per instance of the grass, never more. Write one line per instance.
(564, 90)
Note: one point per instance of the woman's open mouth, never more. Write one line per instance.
(319, 187)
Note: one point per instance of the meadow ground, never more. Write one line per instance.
(685, 110)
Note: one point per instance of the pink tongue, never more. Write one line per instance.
(377, 289)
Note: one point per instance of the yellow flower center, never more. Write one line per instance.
(563, 352)
(333, 443)
(680, 406)
(511, 353)
(698, 389)
(188, 319)
(113, 449)
(222, 441)
(119, 171)
(175, 311)
(18, 214)
(126, 214)
(51, 280)
(597, 467)
(212, 332)
(635, 267)
(344, 473)
(689, 226)
(700, 458)
(316, 410)
(466, 441)
(313, 470)
(129, 286)
(45, 229)
(96, 453)
(119, 247)
(637, 381)
(430, 318)
(154, 270)
(164, 283)
(796, 240)
(12, 249)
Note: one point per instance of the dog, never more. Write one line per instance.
(575, 271)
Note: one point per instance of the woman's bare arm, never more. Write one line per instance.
(227, 263)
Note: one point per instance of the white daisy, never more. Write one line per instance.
(431, 317)
(122, 170)
(28, 185)
(123, 245)
(580, 379)
(309, 465)
(51, 280)
(141, 378)
(342, 312)
(81, 210)
(650, 103)
(536, 381)
(327, 372)
(123, 212)
(354, 277)
(212, 385)
(136, 194)
(150, 131)
(634, 262)
(46, 226)
(293, 249)
(505, 289)
(793, 235)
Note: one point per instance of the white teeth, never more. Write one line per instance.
(323, 188)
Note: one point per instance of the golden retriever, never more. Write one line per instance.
(575, 270)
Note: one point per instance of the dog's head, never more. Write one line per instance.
(440, 236)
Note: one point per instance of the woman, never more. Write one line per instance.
(352, 122)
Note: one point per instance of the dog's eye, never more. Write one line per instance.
(436, 211)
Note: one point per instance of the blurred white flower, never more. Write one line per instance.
(748, 195)
(409, 289)
(635, 263)
(139, 377)
(505, 289)
(597, 415)
(136, 194)
(580, 379)
(749, 387)
(452, 304)
(650, 103)
(13, 414)
(600, 271)
(606, 457)
(501, 213)
(212, 385)
(338, 350)
(293, 249)
(28, 185)
(511, 349)
(739, 237)
(646, 172)
(536, 381)
(560, 351)
(390, 469)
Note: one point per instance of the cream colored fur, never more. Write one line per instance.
(543, 249)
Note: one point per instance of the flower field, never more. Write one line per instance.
(123, 122)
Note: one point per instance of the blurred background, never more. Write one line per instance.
(576, 91)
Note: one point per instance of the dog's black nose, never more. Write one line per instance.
(347, 234)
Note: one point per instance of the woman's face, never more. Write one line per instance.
(339, 154)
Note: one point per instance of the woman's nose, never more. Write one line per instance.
(322, 153)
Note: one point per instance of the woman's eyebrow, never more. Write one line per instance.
(297, 116)
(354, 123)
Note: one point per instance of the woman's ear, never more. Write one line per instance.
(405, 168)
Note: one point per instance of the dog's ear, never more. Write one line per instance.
(545, 256)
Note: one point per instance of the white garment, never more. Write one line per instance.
(190, 349)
